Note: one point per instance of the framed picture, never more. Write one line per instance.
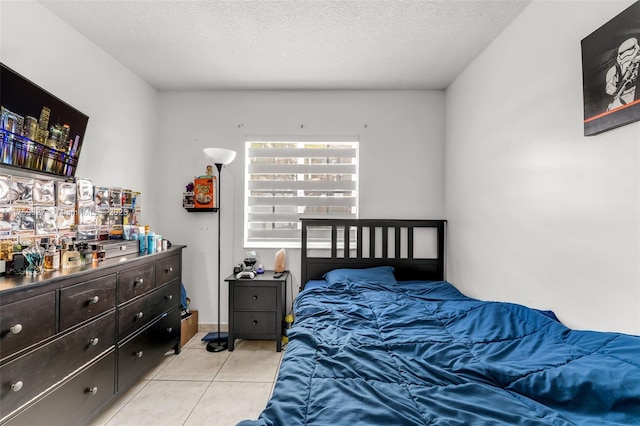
(610, 68)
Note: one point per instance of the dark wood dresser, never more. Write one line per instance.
(71, 340)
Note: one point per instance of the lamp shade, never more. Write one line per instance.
(219, 155)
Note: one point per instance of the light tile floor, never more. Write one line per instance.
(198, 387)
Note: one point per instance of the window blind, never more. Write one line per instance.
(289, 180)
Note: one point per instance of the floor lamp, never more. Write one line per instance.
(220, 157)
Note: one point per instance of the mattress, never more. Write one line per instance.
(374, 351)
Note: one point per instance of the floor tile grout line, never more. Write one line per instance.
(128, 402)
(196, 404)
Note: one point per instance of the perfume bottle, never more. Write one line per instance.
(71, 258)
(56, 258)
(48, 258)
(102, 254)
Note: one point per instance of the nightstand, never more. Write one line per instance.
(257, 307)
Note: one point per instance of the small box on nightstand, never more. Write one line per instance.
(188, 328)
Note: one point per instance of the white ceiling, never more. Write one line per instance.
(291, 44)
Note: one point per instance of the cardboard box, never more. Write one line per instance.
(188, 328)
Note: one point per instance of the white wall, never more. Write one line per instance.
(401, 165)
(539, 214)
(122, 108)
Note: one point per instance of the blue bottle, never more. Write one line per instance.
(143, 242)
(151, 243)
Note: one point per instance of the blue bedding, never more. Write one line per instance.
(370, 352)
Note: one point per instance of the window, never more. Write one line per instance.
(288, 180)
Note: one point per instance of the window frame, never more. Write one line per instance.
(278, 243)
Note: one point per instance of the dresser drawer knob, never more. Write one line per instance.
(139, 354)
(94, 300)
(16, 329)
(255, 297)
(169, 297)
(93, 390)
(254, 322)
(138, 281)
(94, 341)
(169, 269)
(169, 330)
(17, 386)
(139, 315)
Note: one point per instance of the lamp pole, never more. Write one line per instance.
(219, 344)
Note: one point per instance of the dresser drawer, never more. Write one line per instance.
(135, 281)
(167, 269)
(76, 400)
(27, 322)
(141, 352)
(254, 298)
(143, 310)
(254, 325)
(30, 374)
(84, 301)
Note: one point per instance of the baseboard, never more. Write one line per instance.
(208, 327)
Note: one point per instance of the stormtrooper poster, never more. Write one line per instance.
(610, 68)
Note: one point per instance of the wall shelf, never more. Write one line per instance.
(196, 209)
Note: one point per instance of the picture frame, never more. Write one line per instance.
(610, 73)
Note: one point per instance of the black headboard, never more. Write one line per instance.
(376, 242)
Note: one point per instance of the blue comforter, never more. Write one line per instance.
(422, 353)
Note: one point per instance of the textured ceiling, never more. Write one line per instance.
(322, 44)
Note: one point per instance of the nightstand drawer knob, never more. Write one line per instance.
(255, 297)
(169, 297)
(254, 322)
(93, 390)
(94, 300)
(139, 315)
(94, 341)
(17, 386)
(138, 281)
(16, 329)
(139, 354)
(169, 269)
(169, 330)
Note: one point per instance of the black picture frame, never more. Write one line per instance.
(610, 68)
(23, 102)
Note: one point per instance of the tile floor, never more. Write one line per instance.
(198, 387)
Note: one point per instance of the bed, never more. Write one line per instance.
(380, 338)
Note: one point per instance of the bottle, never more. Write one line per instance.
(151, 243)
(143, 242)
(87, 254)
(94, 254)
(48, 260)
(71, 258)
(56, 258)
(63, 250)
(102, 254)
(158, 242)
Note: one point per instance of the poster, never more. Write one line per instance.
(610, 68)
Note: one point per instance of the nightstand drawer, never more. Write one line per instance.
(253, 325)
(255, 298)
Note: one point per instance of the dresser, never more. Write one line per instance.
(74, 339)
(257, 307)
